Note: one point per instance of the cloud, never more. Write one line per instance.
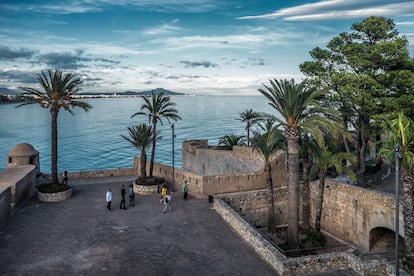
(194, 64)
(72, 61)
(95, 6)
(65, 60)
(338, 9)
(7, 53)
(17, 77)
(162, 30)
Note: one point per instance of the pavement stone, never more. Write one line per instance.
(81, 237)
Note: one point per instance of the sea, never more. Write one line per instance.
(92, 140)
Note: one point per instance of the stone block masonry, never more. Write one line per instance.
(5, 208)
(299, 265)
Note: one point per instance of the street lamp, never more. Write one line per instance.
(398, 156)
(172, 153)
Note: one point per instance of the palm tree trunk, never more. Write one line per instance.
(306, 191)
(271, 225)
(248, 134)
(54, 147)
(408, 214)
(143, 164)
(154, 126)
(319, 202)
(293, 190)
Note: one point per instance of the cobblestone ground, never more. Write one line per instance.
(80, 237)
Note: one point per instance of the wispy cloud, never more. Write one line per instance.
(338, 9)
(93, 6)
(164, 29)
(194, 64)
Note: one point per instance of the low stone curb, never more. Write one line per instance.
(54, 197)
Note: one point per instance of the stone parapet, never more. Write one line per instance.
(54, 197)
(297, 265)
(5, 204)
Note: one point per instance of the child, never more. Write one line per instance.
(166, 200)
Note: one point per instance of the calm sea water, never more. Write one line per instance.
(92, 140)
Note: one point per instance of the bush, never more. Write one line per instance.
(49, 188)
(155, 180)
(316, 238)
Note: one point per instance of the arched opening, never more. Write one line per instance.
(382, 240)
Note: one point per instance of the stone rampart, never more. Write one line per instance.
(21, 180)
(5, 202)
(350, 212)
(253, 205)
(93, 174)
(201, 159)
(200, 185)
(299, 265)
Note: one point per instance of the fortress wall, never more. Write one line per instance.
(21, 180)
(253, 205)
(351, 212)
(246, 152)
(199, 158)
(5, 201)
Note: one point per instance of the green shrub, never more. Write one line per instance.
(316, 238)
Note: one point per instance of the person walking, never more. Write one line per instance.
(164, 190)
(65, 178)
(185, 189)
(108, 199)
(166, 200)
(131, 195)
(123, 192)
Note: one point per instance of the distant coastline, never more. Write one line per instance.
(13, 96)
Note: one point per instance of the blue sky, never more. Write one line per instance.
(190, 46)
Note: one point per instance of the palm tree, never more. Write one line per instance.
(249, 117)
(401, 133)
(141, 137)
(266, 145)
(59, 89)
(157, 107)
(298, 107)
(228, 141)
(323, 159)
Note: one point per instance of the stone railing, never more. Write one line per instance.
(297, 265)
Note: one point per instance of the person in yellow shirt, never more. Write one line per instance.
(164, 190)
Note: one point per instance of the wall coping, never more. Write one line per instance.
(294, 265)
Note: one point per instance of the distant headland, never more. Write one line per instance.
(10, 95)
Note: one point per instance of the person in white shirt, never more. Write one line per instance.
(108, 199)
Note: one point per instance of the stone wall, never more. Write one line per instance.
(54, 197)
(200, 185)
(90, 174)
(253, 206)
(21, 180)
(5, 202)
(351, 212)
(299, 265)
(201, 159)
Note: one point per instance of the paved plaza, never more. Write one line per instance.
(81, 237)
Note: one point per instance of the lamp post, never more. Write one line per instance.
(398, 155)
(172, 153)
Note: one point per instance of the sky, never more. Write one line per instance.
(217, 47)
